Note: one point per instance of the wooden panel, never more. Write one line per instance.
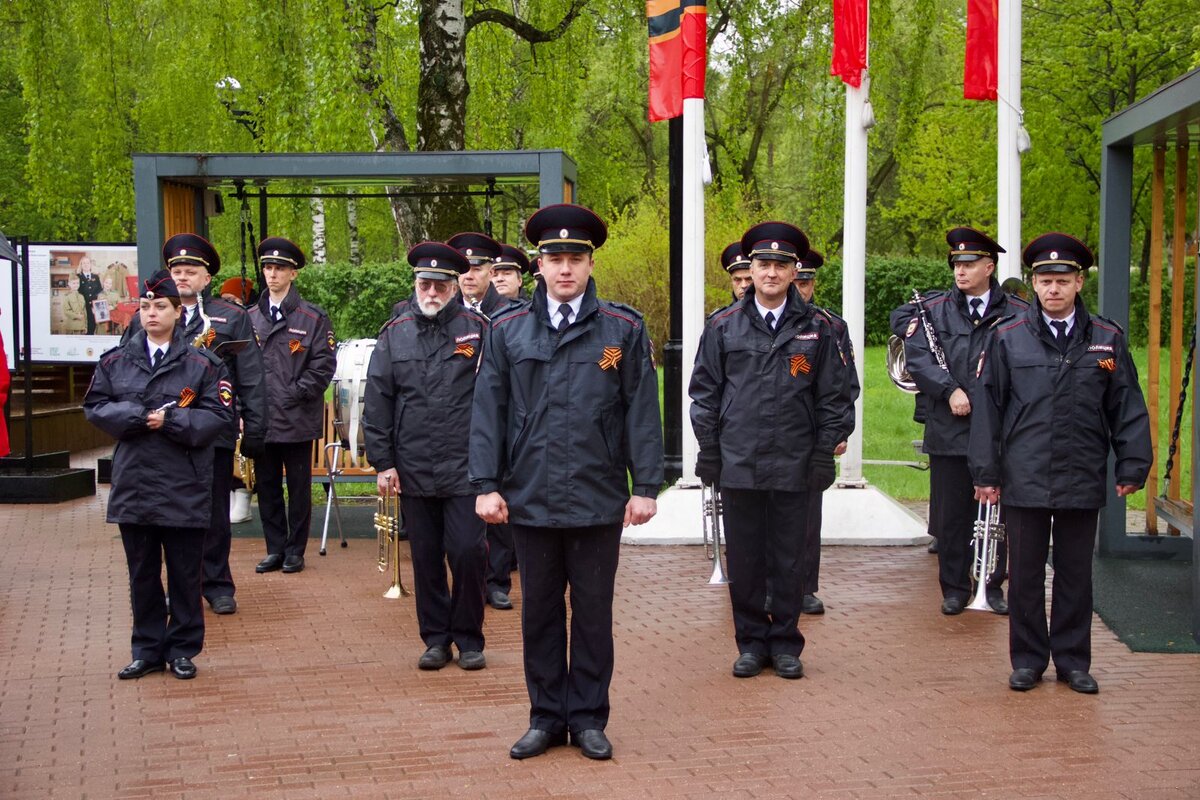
(179, 210)
(1178, 279)
(320, 464)
(1154, 334)
(65, 429)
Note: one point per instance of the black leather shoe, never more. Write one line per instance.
(748, 665)
(1023, 679)
(952, 606)
(224, 605)
(593, 743)
(183, 668)
(269, 564)
(435, 657)
(471, 660)
(293, 564)
(1079, 681)
(139, 667)
(811, 604)
(998, 603)
(535, 742)
(499, 600)
(787, 666)
(932, 548)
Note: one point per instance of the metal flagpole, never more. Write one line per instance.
(1009, 143)
(693, 266)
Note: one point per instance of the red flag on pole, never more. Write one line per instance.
(980, 62)
(678, 50)
(849, 40)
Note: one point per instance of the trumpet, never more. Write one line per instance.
(710, 505)
(243, 467)
(201, 340)
(387, 532)
(989, 533)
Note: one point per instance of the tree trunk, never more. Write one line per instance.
(317, 207)
(352, 230)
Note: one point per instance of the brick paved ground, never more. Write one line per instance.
(311, 691)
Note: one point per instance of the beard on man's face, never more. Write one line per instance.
(431, 306)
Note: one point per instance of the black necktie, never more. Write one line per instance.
(977, 309)
(1060, 332)
(158, 357)
(564, 311)
(769, 318)
(276, 314)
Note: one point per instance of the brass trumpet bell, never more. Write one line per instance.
(387, 535)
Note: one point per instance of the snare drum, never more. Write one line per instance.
(350, 394)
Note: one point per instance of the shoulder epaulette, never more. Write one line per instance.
(623, 307)
(1106, 321)
(1000, 319)
(718, 311)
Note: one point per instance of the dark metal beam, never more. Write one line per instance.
(1159, 115)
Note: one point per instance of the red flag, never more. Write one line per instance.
(849, 40)
(678, 50)
(980, 63)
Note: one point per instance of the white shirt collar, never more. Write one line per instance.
(552, 308)
(985, 297)
(763, 310)
(152, 348)
(1070, 320)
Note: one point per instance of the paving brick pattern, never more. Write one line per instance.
(311, 691)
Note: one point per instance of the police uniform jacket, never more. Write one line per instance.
(769, 398)
(962, 342)
(229, 323)
(561, 422)
(1044, 420)
(851, 388)
(418, 398)
(161, 477)
(299, 358)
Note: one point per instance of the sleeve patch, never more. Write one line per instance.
(225, 392)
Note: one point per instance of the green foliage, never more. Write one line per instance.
(358, 299)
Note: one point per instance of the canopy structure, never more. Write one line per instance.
(189, 175)
(1167, 119)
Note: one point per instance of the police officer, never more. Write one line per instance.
(961, 318)
(508, 271)
(806, 284)
(1057, 389)
(298, 350)
(424, 365)
(738, 267)
(481, 251)
(193, 261)
(768, 409)
(91, 288)
(166, 403)
(565, 419)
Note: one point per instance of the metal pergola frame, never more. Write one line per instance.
(1155, 119)
(554, 171)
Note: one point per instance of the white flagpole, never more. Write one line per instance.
(859, 119)
(1008, 152)
(693, 266)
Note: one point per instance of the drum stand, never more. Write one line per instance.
(334, 465)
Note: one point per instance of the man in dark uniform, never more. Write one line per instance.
(768, 408)
(193, 261)
(481, 251)
(738, 267)
(961, 318)
(424, 365)
(166, 403)
(1056, 391)
(565, 419)
(298, 350)
(91, 288)
(806, 284)
(508, 271)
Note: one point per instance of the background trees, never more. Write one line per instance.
(85, 84)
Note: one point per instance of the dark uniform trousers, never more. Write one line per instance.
(1069, 638)
(566, 694)
(501, 558)
(157, 636)
(765, 542)
(953, 510)
(286, 532)
(445, 530)
(218, 579)
(812, 544)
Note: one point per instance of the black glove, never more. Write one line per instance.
(253, 447)
(708, 466)
(821, 470)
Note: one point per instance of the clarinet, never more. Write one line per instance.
(934, 345)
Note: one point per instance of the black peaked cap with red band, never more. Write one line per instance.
(732, 258)
(566, 228)
(968, 244)
(437, 261)
(281, 252)
(1057, 252)
(191, 248)
(774, 241)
